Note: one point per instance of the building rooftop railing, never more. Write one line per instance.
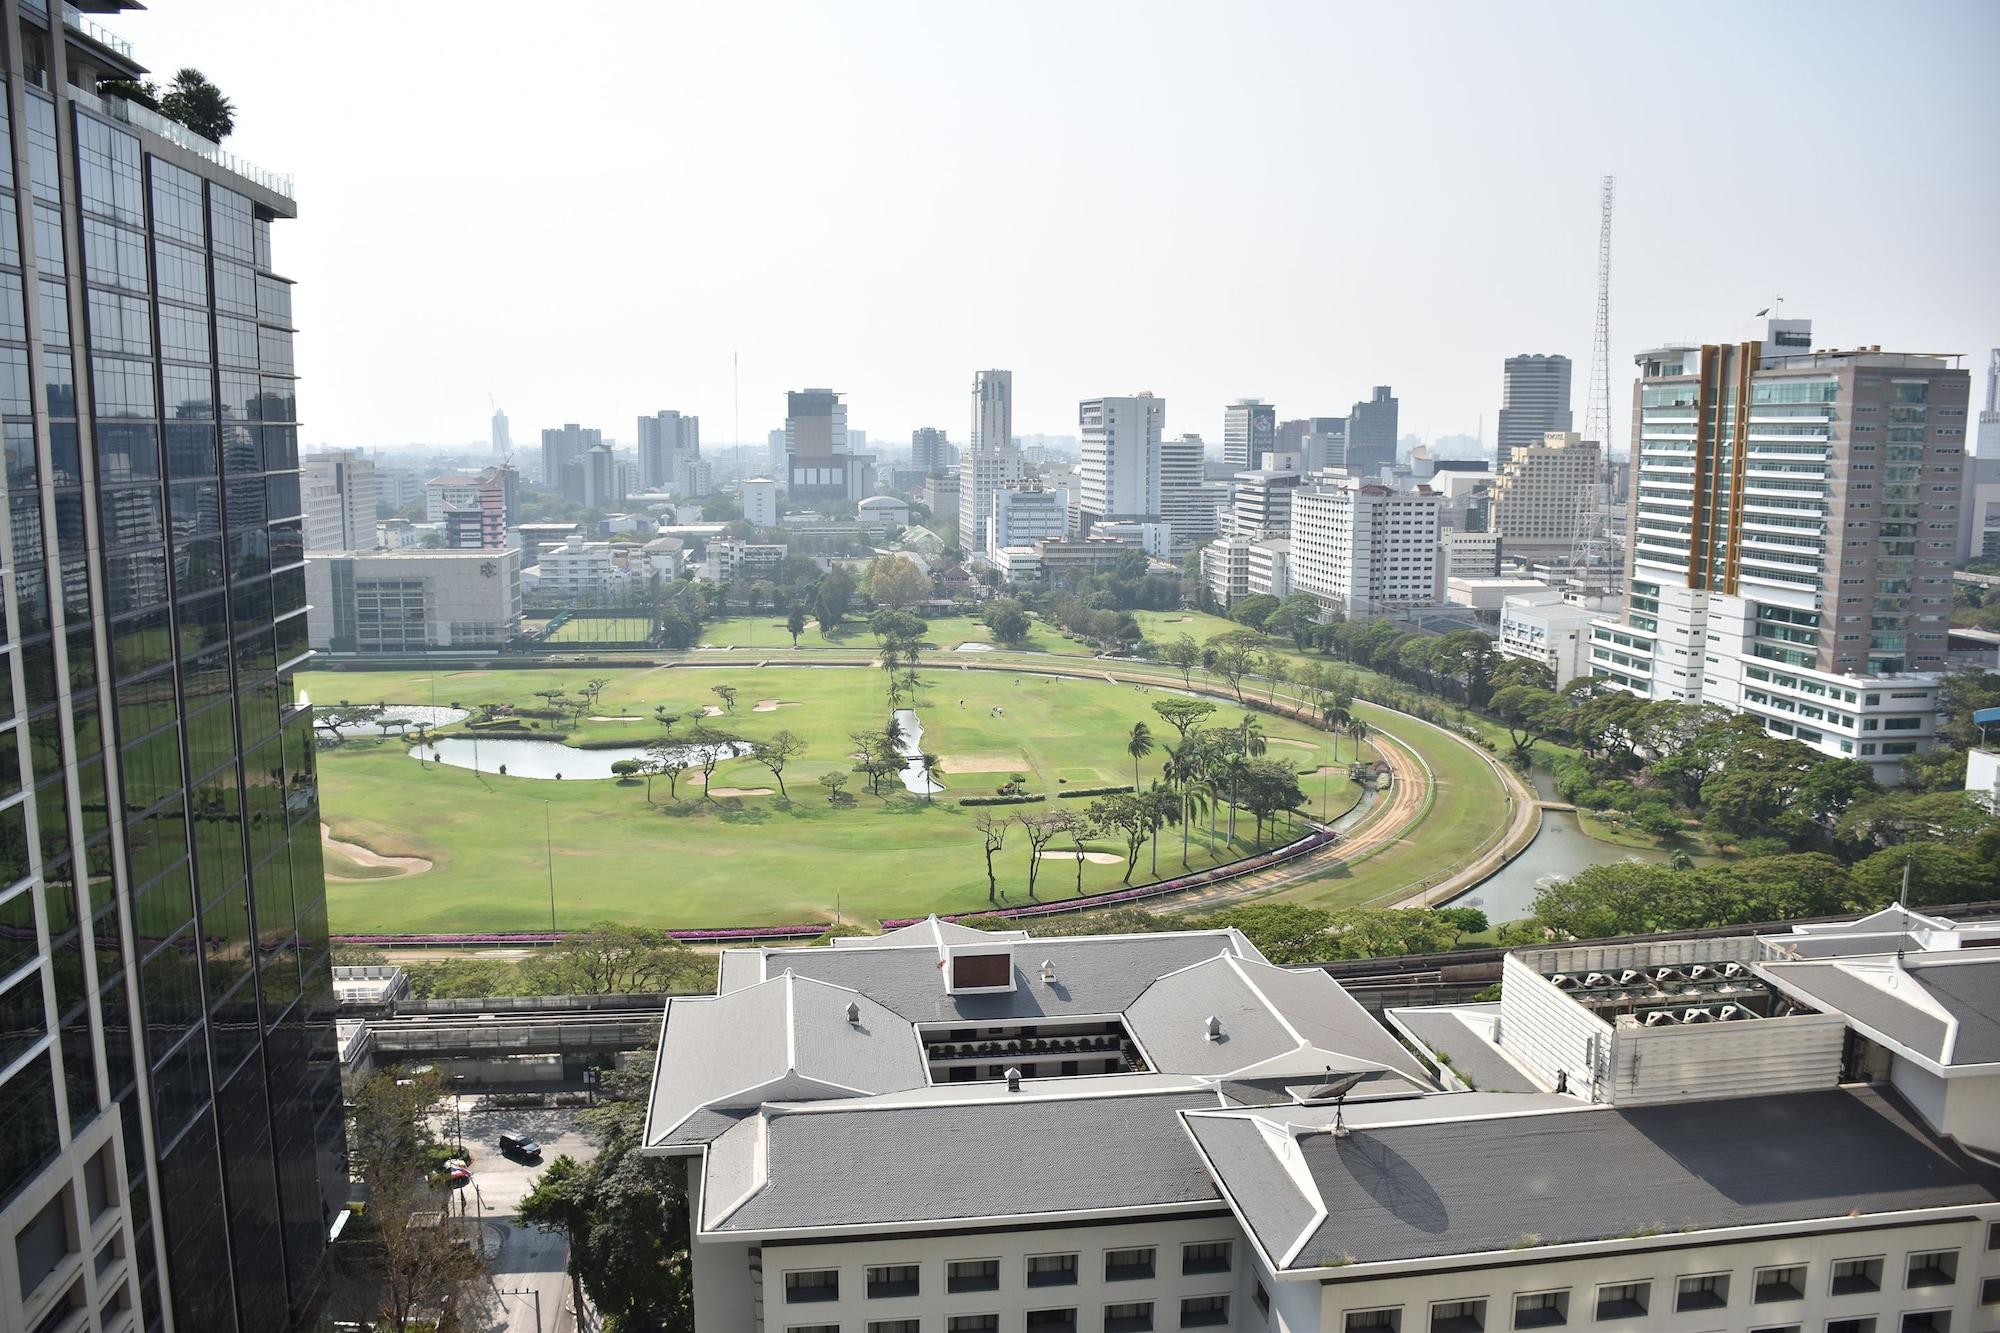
(139, 117)
(97, 32)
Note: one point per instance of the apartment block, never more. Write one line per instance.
(1024, 515)
(1541, 493)
(1122, 457)
(1188, 500)
(1363, 548)
(340, 498)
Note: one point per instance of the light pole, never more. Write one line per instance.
(549, 848)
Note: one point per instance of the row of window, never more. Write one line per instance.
(1121, 1317)
(1041, 1270)
(1925, 1271)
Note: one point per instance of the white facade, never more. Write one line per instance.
(1261, 503)
(760, 502)
(669, 452)
(1542, 491)
(1362, 548)
(1542, 627)
(1982, 775)
(727, 561)
(1249, 433)
(885, 510)
(1225, 568)
(586, 571)
(1271, 567)
(1188, 500)
(341, 489)
(1468, 555)
(1025, 515)
(443, 493)
(413, 600)
(982, 470)
(1121, 456)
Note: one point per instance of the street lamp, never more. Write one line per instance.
(549, 849)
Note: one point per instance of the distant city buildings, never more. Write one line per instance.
(1121, 458)
(818, 466)
(1188, 500)
(1542, 492)
(1363, 548)
(409, 601)
(341, 493)
(482, 525)
(1249, 433)
(1793, 524)
(1534, 400)
(1979, 516)
(930, 451)
(1372, 434)
(990, 460)
(1025, 514)
(450, 491)
(499, 436)
(670, 454)
(563, 449)
(760, 502)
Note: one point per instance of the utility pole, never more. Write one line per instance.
(548, 847)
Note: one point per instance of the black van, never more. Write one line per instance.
(514, 1145)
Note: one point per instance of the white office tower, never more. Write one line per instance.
(1793, 520)
(669, 452)
(760, 502)
(340, 493)
(992, 408)
(1025, 515)
(1534, 400)
(1262, 504)
(1979, 516)
(930, 451)
(1542, 493)
(990, 459)
(1249, 433)
(500, 437)
(1362, 548)
(1188, 500)
(1121, 457)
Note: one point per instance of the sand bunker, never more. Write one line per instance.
(741, 791)
(773, 705)
(983, 763)
(711, 710)
(621, 717)
(362, 856)
(1095, 858)
(1181, 620)
(973, 648)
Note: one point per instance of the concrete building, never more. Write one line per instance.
(340, 498)
(760, 502)
(1120, 473)
(1372, 434)
(482, 525)
(1225, 569)
(887, 511)
(940, 494)
(1188, 500)
(585, 573)
(817, 462)
(412, 601)
(726, 561)
(499, 437)
(1025, 514)
(1543, 626)
(1362, 548)
(1979, 516)
(1209, 1136)
(984, 469)
(1249, 433)
(1542, 492)
(1468, 555)
(1534, 401)
(562, 447)
(931, 451)
(992, 409)
(1270, 572)
(670, 453)
(1261, 505)
(449, 491)
(1324, 445)
(173, 1127)
(1791, 559)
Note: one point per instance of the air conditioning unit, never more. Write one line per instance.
(1663, 975)
(1732, 1012)
(1734, 970)
(1598, 979)
(1701, 972)
(1698, 1016)
(1660, 1018)
(1630, 978)
(1563, 981)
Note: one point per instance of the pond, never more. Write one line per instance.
(914, 777)
(1559, 851)
(542, 759)
(409, 715)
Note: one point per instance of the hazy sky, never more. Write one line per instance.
(585, 209)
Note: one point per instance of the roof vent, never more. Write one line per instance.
(1660, 1018)
(1048, 972)
(1013, 1080)
(1563, 981)
(1213, 1028)
(1596, 979)
(853, 1014)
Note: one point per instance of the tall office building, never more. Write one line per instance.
(990, 458)
(1188, 500)
(500, 437)
(930, 451)
(1979, 514)
(1362, 548)
(340, 496)
(669, 445)
(1371, 434)
(816, 458)
(1249, 433)
(1120, 472)
(561, 449)
(1534, 400)
(168, 1076)
(1793, 522)
(1542, 492)
(992, 408)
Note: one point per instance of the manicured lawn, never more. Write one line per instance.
(741, 860)
(946, 633)
(604, 629)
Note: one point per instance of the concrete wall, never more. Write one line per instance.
(1740, 1059)
(1547, 1031)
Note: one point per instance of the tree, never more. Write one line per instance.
(610, 958)
(1132, 817)
(832, 598)
(1185, 654)
(1529, 714)
(776, 752)
(426, 1266)
(1138, 744)
(1462, 920)
(625, 770)
(709, 748)
(1183, 715)
(1283, 932)
(1298, 616)
(667, 760)
(1041, 827)
(834, 782)
(198, 104)
(1937, 875)
(561, 1202)
(895, 581)
(665, 719)
(1235, 656)
(726, 693)
(1007, 621)
(1270, 785)
(933, 771)
(795, 623)
(1254, 610)
(994, 829)
(347, 717)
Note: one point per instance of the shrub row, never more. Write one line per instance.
(1001, 800)
(1118, 790)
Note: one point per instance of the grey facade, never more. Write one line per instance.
(1534, 400)
(669, 446)
(1372, 433)
(1249, 433)
(562, 458)
(167, 1067)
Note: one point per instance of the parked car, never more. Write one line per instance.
(520, 1146)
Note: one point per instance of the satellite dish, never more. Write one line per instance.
(1335, 1089)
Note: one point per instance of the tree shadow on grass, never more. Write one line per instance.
(735, 812)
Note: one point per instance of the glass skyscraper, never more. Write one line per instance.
(170, 1112)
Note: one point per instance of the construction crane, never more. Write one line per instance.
(1589, 548)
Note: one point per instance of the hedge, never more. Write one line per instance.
(1001, 800)
(1119, 790)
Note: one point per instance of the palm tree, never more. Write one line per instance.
(1338, 712)
(1357, 730)
(933, 774)
(1139, 744)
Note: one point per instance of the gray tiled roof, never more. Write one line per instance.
(1427, 1190)
(1831, 985)
(1970, 991)
(859, 1167)
(1264, 1193)
(1444, 1031)
(1331, 1019)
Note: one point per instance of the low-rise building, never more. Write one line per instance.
(1488, 594)
(449, 492)
(728, 560)
(887, 511)
(760, 502)
(1271, 567)
(1544, 626)
(1225, 568)
(405, 601)
(1467, 555)
(1024, 515)
(585, 572)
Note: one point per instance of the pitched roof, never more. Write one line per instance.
(1943, 1007)
(1461, 1034)
(1425, 1190)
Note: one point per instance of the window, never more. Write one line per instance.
(972, 1275)
(812, 1328)
(1053, 1321)
(974, 1323)
(1927, 1321)
(1458, 1317)
(1204, 1312)
(1851, 1277)
(1935, 1268)
(1541, 1309)
(1374, 1321)
(1989, 1291)
(895, 1326)
(1993, 1235)
(892, 1280)
(1263, 1298)
(1128, 1265)
(1131, 1317)
(1051, 1270)
(1779, 1284)
(1205, 1257)
(1624, 1300)
(1863, 1325)
(816, 1284)
(1708, 1292)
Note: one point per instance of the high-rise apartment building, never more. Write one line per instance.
(990, 459)
(760, 502)
(499, 436)
(992, 409)
(1793, 523)
(168, 1076)
(1188, 500)
(1534, 400)
(1261, 506)
(1372, 434)
(930, 451)
(561, 449)
(1249, 433)
(1121, 457)
(1979, 515)
(1541, 493)
(1362, 548)
(340, 496)
(669, 448)
(817, 463)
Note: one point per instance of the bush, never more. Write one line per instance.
(1001, 800)
(1118, 790)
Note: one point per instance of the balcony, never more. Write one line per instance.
(131, 113)
(75, 19)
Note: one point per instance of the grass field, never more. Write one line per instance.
(604, 629)
(944, 635)
(496, 842)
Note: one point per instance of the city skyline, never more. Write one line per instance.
(1485, 252)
